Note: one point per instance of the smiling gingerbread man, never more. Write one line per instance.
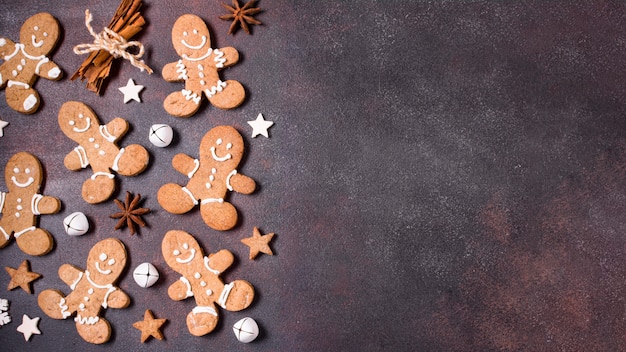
(21, 205)
(26, 61)
(92, 290)
(210, 178)
(198, 68)
(200, 279)
(97, 149)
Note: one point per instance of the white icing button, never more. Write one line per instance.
(19, 67)
(208, 185)
(19, 207)
(86, 299)
(246, 330)
(209, 292)
(90, 291)
(91, 139)
(14, 73)
(81, 306)
(19, 200)
(146, 275)
(202, 283)
(76, 224)
(17, 215)
(96, 145)
(23, 62)
(161, 135)
(101, 152)
(213, 170)
(212, 178)
(197, 275)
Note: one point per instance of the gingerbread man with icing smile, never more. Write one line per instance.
(200, 279)
(26, 61)
(92, 290)
(210, 178)
(198, 68)
(21, 205)
(97, 149)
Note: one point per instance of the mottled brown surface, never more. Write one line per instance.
(441, 176)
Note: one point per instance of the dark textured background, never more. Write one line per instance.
(441, 176)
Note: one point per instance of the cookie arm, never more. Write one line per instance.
(118, 299)
(70, 274)
(171, 72)
(220, 261)
(185, 164)
(180, 289)
(46, 205)
(231, 55)
(7, 47)
(49, 70)
(240, 183)
(116, 128)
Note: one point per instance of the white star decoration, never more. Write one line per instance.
(29, 327)
(260, 126)
(3, 124)
(131, 91)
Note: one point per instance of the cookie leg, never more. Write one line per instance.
(230, 97)
(5, 236)
(175, 199)
(34, 241)
(22, 98)
(219, 215)
(182, 103)
(96, 333)
(52, 302)
(131, 160)
(202, 320)
(98, 188)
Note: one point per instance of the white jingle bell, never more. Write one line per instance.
(76, 224)
(161, 135)
(146, 275)
(246, 330)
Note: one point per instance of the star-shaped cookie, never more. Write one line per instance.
(260, 126)
(131, 91)
(258, 243)
(29, 327)
(150, 326)
(22, 277)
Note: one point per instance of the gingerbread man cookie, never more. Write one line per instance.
(27, 60)
(97, 149)
(210, 177)
(200, 279)
(198, 67)
(22, 204)
(92, 290)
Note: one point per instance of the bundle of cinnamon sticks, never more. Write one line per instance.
(126, 22)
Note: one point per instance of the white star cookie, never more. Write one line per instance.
(131, 91)
(29, 327)
(260, 126)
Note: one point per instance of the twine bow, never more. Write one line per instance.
(113, 43)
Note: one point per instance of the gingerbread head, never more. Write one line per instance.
(97, 148)
(210, 178)
(198, 68)
(22, 204)
(92, 290)
(26, 61)
(39, 34)
(200, 279)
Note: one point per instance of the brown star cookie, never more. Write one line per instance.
(22, 277)
(258, 244)
(150, 326)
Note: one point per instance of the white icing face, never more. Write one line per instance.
(37, 44)
(184, 255)
(83, 121)
(190, 38)
(22, 178)
(219, 143)
(105, 263)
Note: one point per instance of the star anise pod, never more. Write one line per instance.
(130, 213)
(241, 16)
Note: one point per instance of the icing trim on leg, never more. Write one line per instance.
(213, 200)
(19, 233)
(204, 309)
(218, 87)
(224, 294)
(116, 162)
(195, 201)
(96, 174)
(189, 95)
